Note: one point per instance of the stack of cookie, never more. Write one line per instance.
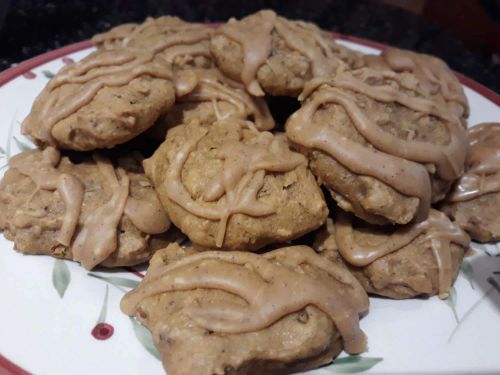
(166, 130)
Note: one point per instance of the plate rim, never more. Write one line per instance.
(9, 368)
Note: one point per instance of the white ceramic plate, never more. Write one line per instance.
(56, 318)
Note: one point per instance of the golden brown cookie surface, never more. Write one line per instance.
(412, 260)
(474, 203)
(215, 322)
(205, 96)
(383, 149)
(275, 55)
(183, 44)
(92, 211)
(104, 100)
(231, 186)
(434, 77)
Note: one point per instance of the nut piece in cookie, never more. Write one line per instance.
(383, 149)
(93, 211)
(106, 99)
(474, 203)
(183, 44)
(414, 260)
(205, 96)
(273, 55)
(230, 186)
(434, 76)
(235, 312)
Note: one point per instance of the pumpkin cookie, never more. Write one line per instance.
(434, 77)
(383, 149)
(474, 204)
(205, 96)
(92, 211)
(230, 186)
(106, 99)
(413, 260)
(207, 317)
(273, 55)
(183, 44)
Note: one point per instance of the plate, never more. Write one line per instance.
(57, 318)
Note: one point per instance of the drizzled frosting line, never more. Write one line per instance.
(263, 282)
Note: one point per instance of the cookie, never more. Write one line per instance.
(183, 44)
(232, 312)
(383, 149)
(205, 96)
(404, 262)
(104, 100)
(232, 187)
(474, 203)
(434, 77)
(273, 55)
(91, 211)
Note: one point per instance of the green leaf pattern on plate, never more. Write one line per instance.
(104, 308)
(353, 364)
(61, 277)
(452, 302)
(23, 145)
(48, 74)
(118, 282)
(494, 283)
(145, 338)
(468, 272)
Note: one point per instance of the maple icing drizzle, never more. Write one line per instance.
(264, 282)
(99, 70)
(433, 75)
(482, 170)
(254, 34)
(45, 175)
(210, 85)
(178, 38)
(436, 229)
(97, 238)
(239, 182)
(391, 160)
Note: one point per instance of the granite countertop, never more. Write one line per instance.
(31, 27)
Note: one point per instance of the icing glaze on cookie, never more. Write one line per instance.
(45, 175)
(99, 70)
(255, 35)
(482, 170)
(392, 160)
(264, 282)
(432, 73)
(97, 238)
(199, 85)
(237, 186)
(169, 36)
(438, 230)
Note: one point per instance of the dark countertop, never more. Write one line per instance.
(31, 27)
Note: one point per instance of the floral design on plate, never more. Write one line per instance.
(103, 330)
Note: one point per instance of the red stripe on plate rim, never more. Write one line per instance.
(134, 271)
(27, 65)
(9, 368)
